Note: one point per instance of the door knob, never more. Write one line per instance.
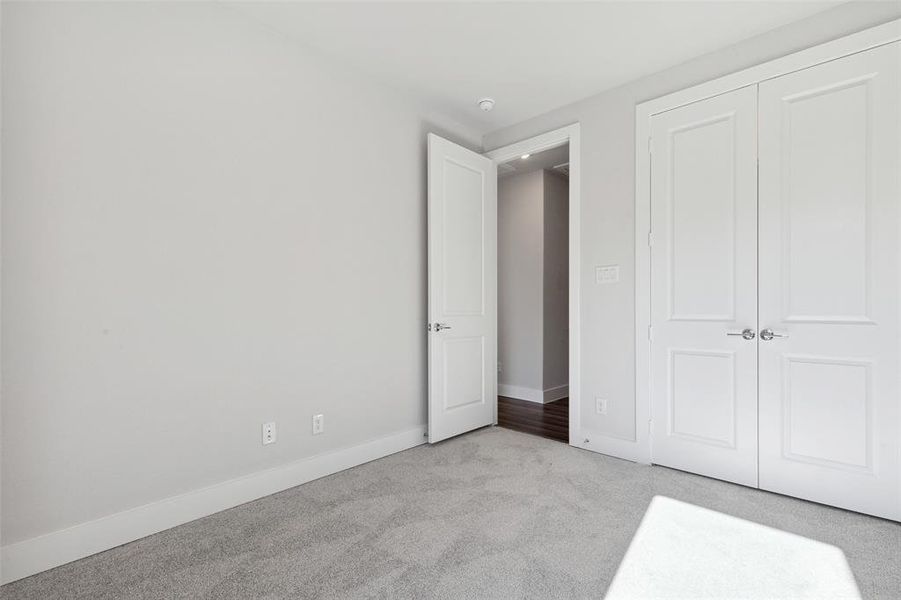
(440, 326)
(746, 334)
(768, 334)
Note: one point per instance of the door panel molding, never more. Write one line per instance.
(726, 250)
(865, 423)
(852, 238)
(672, 426)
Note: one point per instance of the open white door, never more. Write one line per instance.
(462, 326)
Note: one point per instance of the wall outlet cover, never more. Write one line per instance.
(268, 433)
(318, 424)
(601, 405)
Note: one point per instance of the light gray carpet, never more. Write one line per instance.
(492, 514)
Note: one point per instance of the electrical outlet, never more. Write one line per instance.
(318, 424)
(500, 367)
(601, 406)
(268, 433)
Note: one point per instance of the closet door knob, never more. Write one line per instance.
(746, 334)
(768, 334)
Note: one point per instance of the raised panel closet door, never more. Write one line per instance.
(704, 287)
(829, 282)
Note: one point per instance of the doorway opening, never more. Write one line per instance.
(533, 293)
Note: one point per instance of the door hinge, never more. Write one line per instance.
(650, 332)
(650, 426)
(650, 145)
(428, 326)
(650, 238)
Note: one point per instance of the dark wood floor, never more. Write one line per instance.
(549, 420)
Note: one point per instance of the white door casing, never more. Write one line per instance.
(462, 294)
(570, 135)
(704, 286)
(830, 164)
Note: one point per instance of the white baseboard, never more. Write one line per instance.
(520, 393)
(44, 552)
(531, 394)
(556, 393)
(617, 447)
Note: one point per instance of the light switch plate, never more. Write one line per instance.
(607, 274)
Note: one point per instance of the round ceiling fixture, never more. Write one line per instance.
(486, 104)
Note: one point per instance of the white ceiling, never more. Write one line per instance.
(531, 57)
(548, 159)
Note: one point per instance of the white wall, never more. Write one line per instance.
(608, 149)
(520, 200)
(203, 229)
(555, 279)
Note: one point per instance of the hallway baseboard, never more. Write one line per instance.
(520, 393)
(532, 395)
(556, 393)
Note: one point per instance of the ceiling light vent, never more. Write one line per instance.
(562, 168)
(486, 104)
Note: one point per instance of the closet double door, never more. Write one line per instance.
(775, 283)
